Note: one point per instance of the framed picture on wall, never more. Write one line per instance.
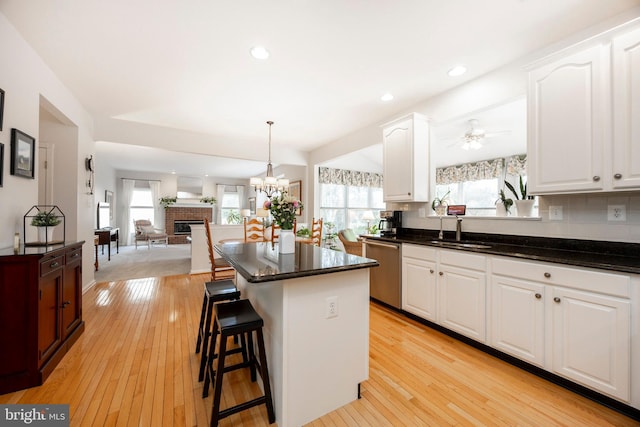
(295, 189)
(23, 154)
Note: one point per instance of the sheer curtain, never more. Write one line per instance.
(158, 212)
(219, 195)
(125, 224)
(240, 190)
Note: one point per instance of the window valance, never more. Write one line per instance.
(486, 169)
(349, 177)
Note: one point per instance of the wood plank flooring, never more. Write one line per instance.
(136, 365)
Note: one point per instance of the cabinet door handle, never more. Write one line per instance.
(596, 178)
(409, 193)
(617, 176)
(538, 296)
(547, 275)
(65, 304)
(431, 271)
(76, 255)
(441, 273)
(556, 299)
(54, 264)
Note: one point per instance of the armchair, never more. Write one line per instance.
(146, 232)
(352, 243)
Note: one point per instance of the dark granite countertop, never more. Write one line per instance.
(261, 262)
(615, 256)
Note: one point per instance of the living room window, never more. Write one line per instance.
(141, 205)
(230, 208)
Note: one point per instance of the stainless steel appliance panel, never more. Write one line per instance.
(385, 280)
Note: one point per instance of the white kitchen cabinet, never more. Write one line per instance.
(566, 113)
(517, 318)
(406, 159)
(626, 111)
(419, 295)
(585, 316)
(584, 117)
(591, 340)
(462, 293)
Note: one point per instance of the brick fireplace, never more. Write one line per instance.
(175, 218)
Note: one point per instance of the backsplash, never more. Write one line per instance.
(584, 217)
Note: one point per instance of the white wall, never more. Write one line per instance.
(29, 84)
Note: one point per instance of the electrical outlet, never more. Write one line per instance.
(331, 307)
(555, 213)
(617, 213)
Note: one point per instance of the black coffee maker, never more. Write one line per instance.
(390, 222)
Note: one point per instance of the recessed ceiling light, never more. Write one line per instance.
(386, 97)
(457, 71)
(259, 52)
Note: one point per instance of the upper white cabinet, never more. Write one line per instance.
(406, 159)
(574, 100)
(626, 111)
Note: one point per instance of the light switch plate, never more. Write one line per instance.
(555, 213)
(617, 213)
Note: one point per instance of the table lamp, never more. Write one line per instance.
(368, 216)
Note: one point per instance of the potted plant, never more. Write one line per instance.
(207, 199)
(45, 221)
(439, 204)
(167, 201)
(524, 202)
(503, 205)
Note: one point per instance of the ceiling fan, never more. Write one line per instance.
(475, 136)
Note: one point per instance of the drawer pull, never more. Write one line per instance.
(65, 304)
(596, 178)
(556, 299)
(54, 264)
(547, 275)
(76, 255)
(431, 271)
(617, 176)
(538, 296)
(441, 273)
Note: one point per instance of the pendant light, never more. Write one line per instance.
(270, 184)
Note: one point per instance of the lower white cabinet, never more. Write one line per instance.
(573, 322)
(517, 318)
(579, 323)
(419, 282)
(591, 340)
(462, 305)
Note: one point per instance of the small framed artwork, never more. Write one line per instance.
(108, 198)
(1, 163)
(252, 205)
(1, 107)
(295, 190)
(23, 154)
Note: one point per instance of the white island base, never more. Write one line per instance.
(315, 363)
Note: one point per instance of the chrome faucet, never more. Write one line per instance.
(458, 228)
(440, 237)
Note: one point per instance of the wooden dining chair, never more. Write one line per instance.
(253, 230)
(220, 269)
(316, 232)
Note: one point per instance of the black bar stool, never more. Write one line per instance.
(223, 290)
(233, 318)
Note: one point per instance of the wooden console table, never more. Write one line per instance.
(106, 236)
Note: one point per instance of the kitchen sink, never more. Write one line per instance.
(459, 245)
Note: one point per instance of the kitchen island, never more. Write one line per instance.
(315, 306)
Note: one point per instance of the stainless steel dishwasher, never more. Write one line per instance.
(385, 280)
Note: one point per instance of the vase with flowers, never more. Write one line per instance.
(283, 209)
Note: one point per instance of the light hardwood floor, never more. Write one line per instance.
(135, 365)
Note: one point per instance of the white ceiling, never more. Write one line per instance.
(186, 65)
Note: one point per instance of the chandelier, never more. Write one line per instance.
(270, 184)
